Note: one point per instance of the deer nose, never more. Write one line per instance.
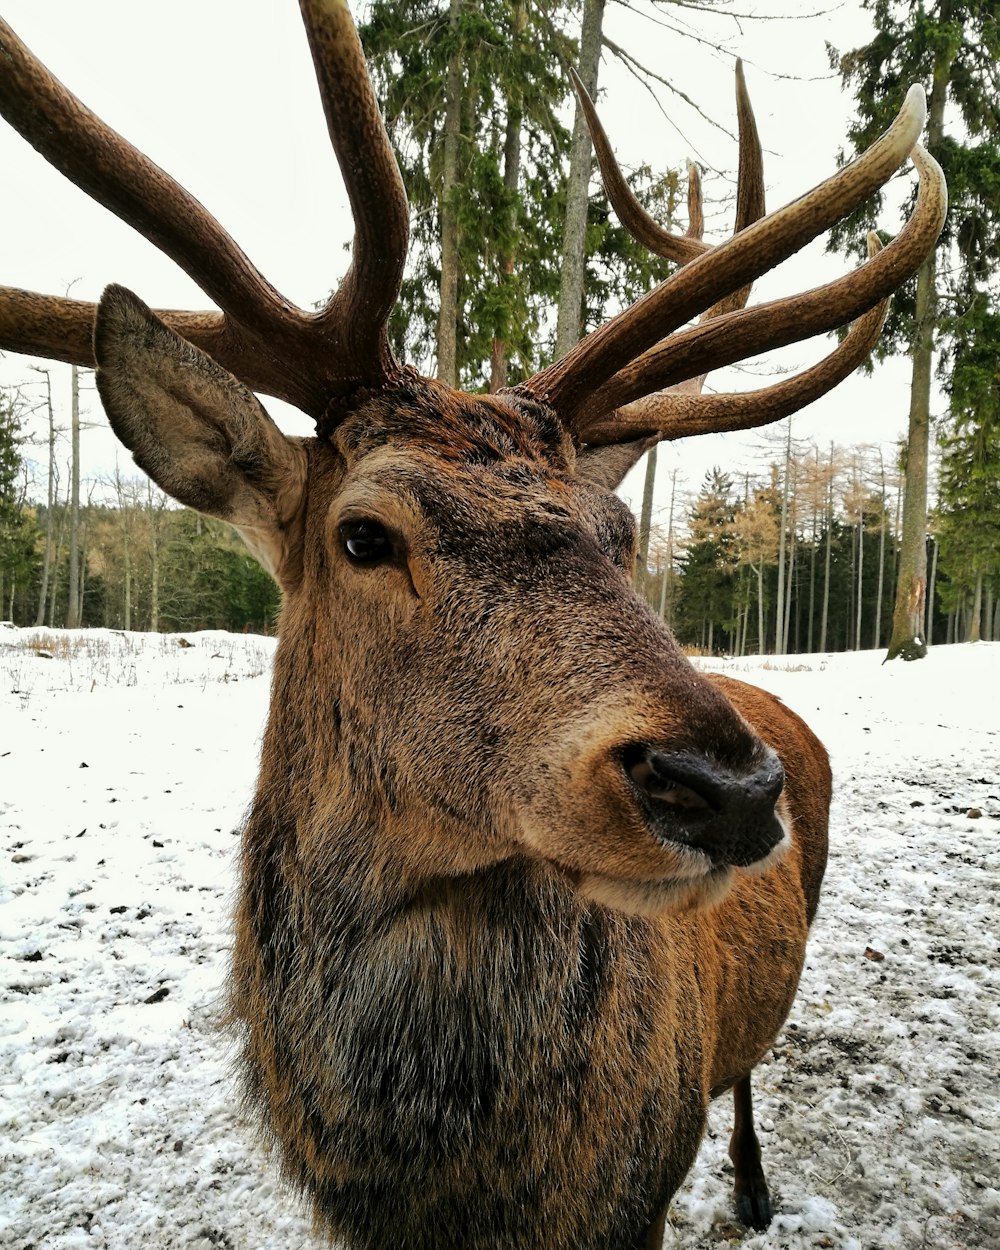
(690, 800)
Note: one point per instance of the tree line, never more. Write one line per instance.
(806, 555)
(141, 562)
(803, 555)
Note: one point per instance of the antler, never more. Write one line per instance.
(632, 356)
(309, 359)
(607, 389)
(685, 247)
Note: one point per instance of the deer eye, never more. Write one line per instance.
(365, 542)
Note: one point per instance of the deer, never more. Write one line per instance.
(521, 890)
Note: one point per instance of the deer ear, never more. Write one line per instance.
(607, 466)
(199, 433)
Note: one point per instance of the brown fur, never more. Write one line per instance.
(481, 1004)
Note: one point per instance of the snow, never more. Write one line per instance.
(126, 762)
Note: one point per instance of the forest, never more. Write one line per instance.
(822, 548)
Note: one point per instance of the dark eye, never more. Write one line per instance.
(366, 542)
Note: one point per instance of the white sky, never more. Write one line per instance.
(222, 95)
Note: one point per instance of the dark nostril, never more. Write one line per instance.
(683, 781)
(691, 799)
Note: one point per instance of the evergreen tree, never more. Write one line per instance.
(471, 92)
(968, 527)
(706, 595)
(18, 531)
(953, 47)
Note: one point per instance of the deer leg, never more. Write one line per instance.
(753, 1202)
(654, 1238)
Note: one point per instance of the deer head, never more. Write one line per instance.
(464, 666)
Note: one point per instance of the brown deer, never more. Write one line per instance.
(521, 890)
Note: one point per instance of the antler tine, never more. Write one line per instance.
(631, 213)
(567, 385)
(750, 175)
(677, 413)
(750, 205)
(635, 219)
(116, 174)
(696, 207)
(361, 306)
(746, 332)
(60, 328)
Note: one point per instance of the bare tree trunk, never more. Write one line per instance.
(666, 604)
(881, 557)
(812, 565)
(790, 591)
(779, 614)
(56, 564)
(907, 638)
(760, 608)
(511, 180)
(511, 174)
(897, 527)
(812, 589)
(646, 522)
(73, 593)
(568, 326)
(50, 498)
(929, 628)
(861, 569)
(447, 335)
(977, 611)
(829, 546)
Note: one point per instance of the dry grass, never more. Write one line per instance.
(87, 659)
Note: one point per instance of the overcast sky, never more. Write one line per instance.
(221, 94)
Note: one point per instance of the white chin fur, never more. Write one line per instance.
(656, 898)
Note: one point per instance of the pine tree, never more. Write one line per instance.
(470, 92)
(953, 47)
(706, 595)
(17, 527)
(968, 528)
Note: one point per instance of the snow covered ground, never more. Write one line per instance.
(125, 764)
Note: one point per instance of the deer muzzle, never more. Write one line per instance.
(690, 801)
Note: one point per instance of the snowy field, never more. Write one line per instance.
(126, 762)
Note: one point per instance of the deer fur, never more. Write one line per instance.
(480, 1004)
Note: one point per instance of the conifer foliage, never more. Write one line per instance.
(968, 516)
(473, 92)
(17, 531)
